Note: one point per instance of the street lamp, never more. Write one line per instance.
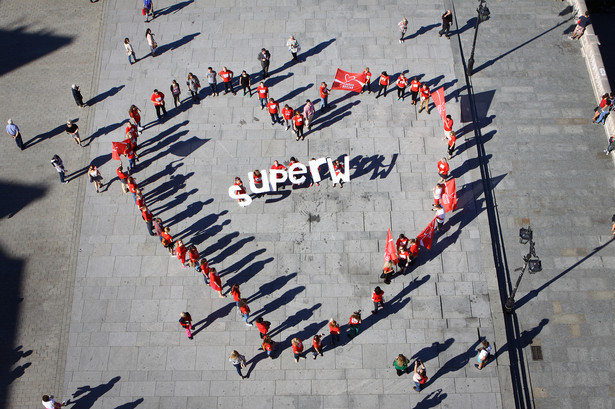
(483, 15)
(530, 261)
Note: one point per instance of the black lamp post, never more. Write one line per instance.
(530, 261)
(483, 14)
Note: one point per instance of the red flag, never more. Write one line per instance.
(389, 250)
(426, 235)
(438, 99)
(348, 81)
(119, 148)
(449, 196)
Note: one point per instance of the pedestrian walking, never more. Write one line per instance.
(452, 138)
(180, 252)
(273, 107)
(440, 216)
(193, 256)
(298, 123)
(238, 361)
(151, 41)
(403, 27)
(611, 145)
(135, 114)
(123, 177)
(268, 345)
(158, 100)
(324, 96)
(377, 298)
(447, 20)
(287, 113)
(148, 10)
(167, 239)
(387, 271)
(245, 311)
(50, 403)
(334, 331)
(484, 354)
(227, 79)
(308, 113)
(383, 83)
(148, 218)
(263, 94)
(317, 345)
(338, 168)
(246, 84)
(236, 293)
(403, 255)
(77, 95)
(95, 177)
(57, 163)
(185, 320)
(293, 47)
(13, 131)
(176, 92)
(193, 84)
(420, 375)
(263, 327)
(204, 269)
(212, 81)
(415, 86)
(437, 193)
(130, 52)
(297, 349)
(402, 83)
(215, 282)
(73, 130)
(414, 251)
(425, 93)
(582, 22)
(443, 169)
(367, 85)
(355, 323)
(401, 365)
(265, 58)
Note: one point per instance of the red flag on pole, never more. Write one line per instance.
(119, 148)
(449, 196)
(438, 99)
(426, 235)
(348, 81)
(389, 250)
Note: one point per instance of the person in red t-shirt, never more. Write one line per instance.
(273, 108)
(263, 326)
(334, 331)
(185, 321)
(227, 79)
(317, 345)
(298, 123)
(268, 345)
(236, 295)
(443, 169)
(180, 252)
(263, 94)
(377, 299)
(415, 86)
(244, 310)
(242, 190)
(403, 255)
(193, 255)
(140, 202)
(366, 86)
(133, 187)
(324, 95)
(414, 251)
(448, 126)
(297, 349)
(424, 98)
(276, 165)
(203, 268)
(148, 218)
(402, 83)
(123, 177)
(354, 322)
(158, 100)
(167, 240)
(288, 112)
(452, 138)
(402, 241)
(215, 282)
(384, 83)
(387, 271)
(338, 168)
(135, 114)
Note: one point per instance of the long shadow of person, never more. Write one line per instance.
(176, 44)
(247, 259)
(90, 395)
(204, 228)
(44, 136)
(304, 335)
(455, 363)
(167, 189)
(130, 405)
(525, 338)
(244, 275)
(334, 116)
(302, 57)
(270, 287)
(167, 171)
(177, 200)
(102, 131)
(207, 321)
(280, 301)
(428, 353)
(422, 30)
(432, 400)
(230, 250)
(174, 8)
(102, 96)
(191, 210)
(295, 319)
(294, 93)
(98, 162)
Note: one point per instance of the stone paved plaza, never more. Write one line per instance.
(93, 316)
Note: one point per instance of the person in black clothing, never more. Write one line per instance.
(447, 20)
(77, 95)
(244, 80)
(264, 57)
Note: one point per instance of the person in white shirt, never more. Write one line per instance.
(50, 403)
(440, 216)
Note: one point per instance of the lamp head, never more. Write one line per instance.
(525, 235)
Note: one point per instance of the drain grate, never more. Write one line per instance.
(536, 353)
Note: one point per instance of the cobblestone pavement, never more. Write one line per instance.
(300, 257)
(47, 46)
